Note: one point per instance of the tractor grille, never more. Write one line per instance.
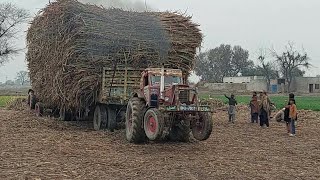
(184, 96)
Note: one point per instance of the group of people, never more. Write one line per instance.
(261, 107)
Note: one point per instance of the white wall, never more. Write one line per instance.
(257, 85)
(241, 79)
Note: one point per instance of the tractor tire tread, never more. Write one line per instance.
(138, 107)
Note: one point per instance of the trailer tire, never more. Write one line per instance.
(112, 119)
(202, 128)
(134, 120)
(100, 118)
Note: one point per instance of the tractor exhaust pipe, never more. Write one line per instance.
(162, 83)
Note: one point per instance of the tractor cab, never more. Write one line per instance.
(163, 86)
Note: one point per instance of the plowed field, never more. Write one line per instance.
(44, 148)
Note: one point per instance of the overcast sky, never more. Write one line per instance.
(252, 24)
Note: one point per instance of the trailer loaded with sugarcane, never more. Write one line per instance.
(116, 68)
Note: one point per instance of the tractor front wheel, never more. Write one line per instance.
(153, 124)
(202, 128)
(134, 120)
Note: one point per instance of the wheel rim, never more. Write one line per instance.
(200, 126)
(152, 125)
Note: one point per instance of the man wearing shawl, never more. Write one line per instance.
(264, 107)
(254, 105)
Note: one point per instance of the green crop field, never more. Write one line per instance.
(303, 102)
(5, 99)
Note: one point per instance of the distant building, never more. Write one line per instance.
(241, 79)
(258, 83)
(306, 84)
(239, 84)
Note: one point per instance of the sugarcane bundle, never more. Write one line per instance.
(69, 43)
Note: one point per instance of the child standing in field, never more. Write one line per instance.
(292, 117)
(287, 111)
(232, 108)
(254, 105)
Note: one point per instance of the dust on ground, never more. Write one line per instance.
(45, 148)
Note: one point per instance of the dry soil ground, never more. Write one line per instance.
(44, 148)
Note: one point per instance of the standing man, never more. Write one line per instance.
(264, 107)
(232, 108)
(254, 105)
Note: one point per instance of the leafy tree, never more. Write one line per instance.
(10, 17)
(290, 62)
(220, 62)
(252, 70)
(296, 72)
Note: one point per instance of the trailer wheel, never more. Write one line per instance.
(134, 120)
(153, 124)
(99, 118)
(202, 128)
(39, 109)
(180, 132)
(112, 119)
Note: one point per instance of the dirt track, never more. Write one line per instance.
(42, 148)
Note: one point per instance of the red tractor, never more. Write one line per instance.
(166, 107)
(153, 103)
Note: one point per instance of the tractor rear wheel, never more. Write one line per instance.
(180, 132)
(153, 124)
(39, 109)
(134, 120)
(99, 118)
(112, 119)
(202, 128)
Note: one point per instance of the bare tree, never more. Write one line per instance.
(290, 61)
(10, 18)
(22, 77)
(267, 68)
